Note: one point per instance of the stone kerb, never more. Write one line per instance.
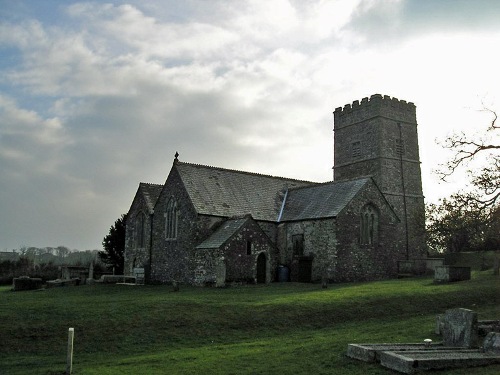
(115, 279)
(460, 328)
(460, 347)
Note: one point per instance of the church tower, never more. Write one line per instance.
(378, 138)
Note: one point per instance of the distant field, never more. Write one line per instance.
(284, 328)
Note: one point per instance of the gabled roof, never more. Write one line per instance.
(320, 201)
(223, 233)
(228, 193)
(150, 192)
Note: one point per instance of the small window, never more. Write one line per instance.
(356, 149)
(171, 219)
(249, 247)
(298, 244)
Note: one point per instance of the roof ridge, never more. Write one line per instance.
(318, 184)
(149, 184)
(244, 172)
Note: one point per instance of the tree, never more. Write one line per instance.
(114, 246)
(453, 226)
(468, 148)
(469, 219)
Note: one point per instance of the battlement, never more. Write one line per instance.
(376, 105)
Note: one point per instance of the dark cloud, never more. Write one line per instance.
(390, 22)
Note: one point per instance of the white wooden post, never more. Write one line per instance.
(69, 358)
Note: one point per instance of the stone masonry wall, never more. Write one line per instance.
(173, 259)
(134, 255)
(243, 267)
(239, 266)
(378, 138)
(320, 244)
(355, 261)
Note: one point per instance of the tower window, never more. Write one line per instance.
(249, 247)
(399, 147)
(356, 149)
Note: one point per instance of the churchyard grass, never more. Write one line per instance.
(280, 328)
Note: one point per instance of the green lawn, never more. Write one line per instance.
(281, 328)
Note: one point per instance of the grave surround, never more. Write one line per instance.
(460, 347)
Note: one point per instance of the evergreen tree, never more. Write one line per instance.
(114, 246)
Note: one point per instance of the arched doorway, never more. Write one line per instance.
(261, 268)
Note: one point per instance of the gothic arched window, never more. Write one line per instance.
(140, 229)
(369, 225)
(171, 218)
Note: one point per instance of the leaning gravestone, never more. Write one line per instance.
(460, 328)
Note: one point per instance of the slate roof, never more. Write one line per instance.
(229, 193)
(320, 201)
(151, 192)
(223, 233)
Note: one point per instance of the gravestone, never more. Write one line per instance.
(26, 283)
(220, 273)
(91, 271)
(451, 273)
(439, 324)
(492, 343)
(139, 275)
(460, 328)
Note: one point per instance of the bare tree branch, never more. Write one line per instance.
(467, 149)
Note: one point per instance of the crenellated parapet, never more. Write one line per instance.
(376, 105)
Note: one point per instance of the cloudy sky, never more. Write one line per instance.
(95, 96)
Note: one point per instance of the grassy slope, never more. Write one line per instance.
(293, 328)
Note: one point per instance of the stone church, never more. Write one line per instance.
(211, 226)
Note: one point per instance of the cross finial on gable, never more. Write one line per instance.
(176, 156)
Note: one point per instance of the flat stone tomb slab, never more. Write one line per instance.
(371, 352)
(410, 362)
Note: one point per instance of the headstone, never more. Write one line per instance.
(175, 286)
(451, 273)
(26, 283)
(492, 343)
(220, 273)
(139, 275)
(460, 328)
(439, 324)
